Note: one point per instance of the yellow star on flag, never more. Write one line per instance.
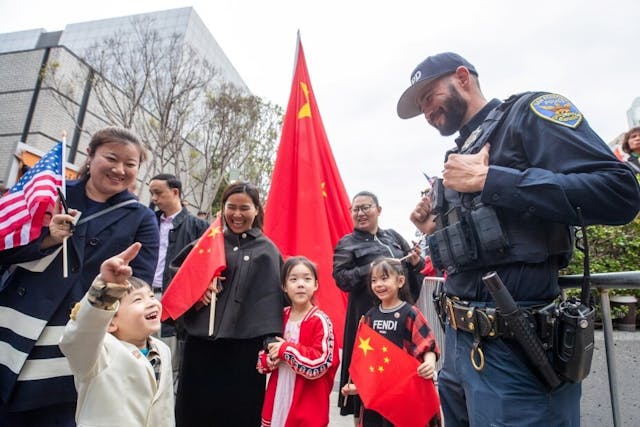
(365, 346)
(214, 232)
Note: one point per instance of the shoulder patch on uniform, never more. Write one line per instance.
(557, 109)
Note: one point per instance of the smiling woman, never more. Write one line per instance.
(113, 158)
(351, 270)
(35, 379)
(219, 384)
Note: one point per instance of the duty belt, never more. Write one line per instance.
(479, 321)
(483, 322)
(488, 323)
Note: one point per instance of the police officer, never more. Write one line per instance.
(523, 171)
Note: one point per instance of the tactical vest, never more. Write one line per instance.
(471, 235)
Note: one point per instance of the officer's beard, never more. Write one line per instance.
(455, 108)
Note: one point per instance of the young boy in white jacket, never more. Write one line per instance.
(122, 374)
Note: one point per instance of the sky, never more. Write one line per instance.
(360, 55)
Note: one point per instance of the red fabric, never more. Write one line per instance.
(387, 381)
(307, 210)
(429, 269)
(205, 262)
(23, 207)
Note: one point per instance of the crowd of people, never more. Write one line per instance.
(90, 349)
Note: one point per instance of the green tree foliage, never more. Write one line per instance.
(611, 249)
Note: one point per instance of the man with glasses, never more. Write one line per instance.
(351, 267)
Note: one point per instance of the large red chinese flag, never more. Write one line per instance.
(307, 210)
(387, 381)
(205, 261)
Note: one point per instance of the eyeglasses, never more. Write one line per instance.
(363, 208)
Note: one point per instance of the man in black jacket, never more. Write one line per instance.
(178, 228)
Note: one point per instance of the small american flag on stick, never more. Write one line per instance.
(24, 206)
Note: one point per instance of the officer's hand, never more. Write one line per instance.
(421, 216)
(467, 173)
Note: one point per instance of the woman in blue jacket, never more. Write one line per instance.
(36, 385)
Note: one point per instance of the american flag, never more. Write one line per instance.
(23, 207)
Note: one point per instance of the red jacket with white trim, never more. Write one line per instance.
(315, 360)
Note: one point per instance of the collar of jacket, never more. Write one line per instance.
(475, 121)
(177, 218)
(365, 235)
(254, 233)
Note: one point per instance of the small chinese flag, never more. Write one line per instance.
(387, 380)
(205, 262)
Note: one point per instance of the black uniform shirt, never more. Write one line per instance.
(545, 161)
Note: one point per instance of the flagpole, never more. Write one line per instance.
(212, 306)
(63, 160)
(346, 396)
(295, 58)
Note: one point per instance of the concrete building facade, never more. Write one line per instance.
(45, 83)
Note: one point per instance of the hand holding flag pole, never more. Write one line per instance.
(65, 258)
(215, 287)
(346, 389)
(205, 261)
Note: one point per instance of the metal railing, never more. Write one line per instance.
(601, 282)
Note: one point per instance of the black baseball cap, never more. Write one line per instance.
(428, 70)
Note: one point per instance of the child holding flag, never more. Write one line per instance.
(398, 323)
(304, 362)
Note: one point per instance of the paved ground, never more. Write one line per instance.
(596, 400)
(596, 403)
(335, 419)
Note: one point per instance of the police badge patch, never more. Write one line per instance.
(558, 109)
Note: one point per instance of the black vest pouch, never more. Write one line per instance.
(439, 250)
(489, 231)
(452, 246)
(461, 243)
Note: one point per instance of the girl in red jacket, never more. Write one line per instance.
(304, 362)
